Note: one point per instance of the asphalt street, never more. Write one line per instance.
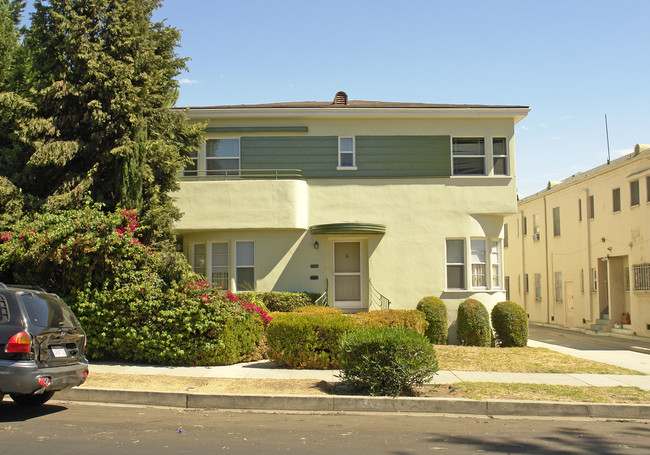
(102, 429)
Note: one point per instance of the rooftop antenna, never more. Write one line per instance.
(607, 134)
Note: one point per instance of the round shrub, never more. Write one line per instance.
(305, 340)
(410, 319)
(473, 324)
(280, 301)
(510, 323)
(387, 361)
(435, 313)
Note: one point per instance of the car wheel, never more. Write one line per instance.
(30, 400)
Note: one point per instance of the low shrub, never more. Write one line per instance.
(306, 340)
(473, 324)
(387, 361)
(410, 319)
(435, 313)
(510, 323)
(280, 301)
(318, 309)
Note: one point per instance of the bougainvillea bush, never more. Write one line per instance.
(135, 302)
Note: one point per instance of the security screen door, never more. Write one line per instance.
(347, 274)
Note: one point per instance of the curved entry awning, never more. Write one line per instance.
(348, 228)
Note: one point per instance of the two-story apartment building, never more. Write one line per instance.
(362, 201)
(578, 253)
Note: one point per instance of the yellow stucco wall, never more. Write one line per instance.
(610, 243)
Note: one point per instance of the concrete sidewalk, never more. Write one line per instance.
(265, 369)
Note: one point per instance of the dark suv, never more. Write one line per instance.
(42, 345)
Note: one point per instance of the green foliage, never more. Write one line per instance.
(304, 340)
(95, 114)
(473, 324)
(318, 309)
(12, 58)
(387, 361)
(510, 323)
(130, 298)
(280, 301)
(410, 319)
(435, 312)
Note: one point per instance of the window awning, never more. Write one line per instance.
(348, 228)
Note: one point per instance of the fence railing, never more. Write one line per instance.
(322, 300)
(377, 300)
(242, 174)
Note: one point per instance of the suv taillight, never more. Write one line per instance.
(20, 343)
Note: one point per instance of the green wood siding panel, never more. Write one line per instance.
(376, 156)
(404, 156)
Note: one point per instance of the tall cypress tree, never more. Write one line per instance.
(103, 74)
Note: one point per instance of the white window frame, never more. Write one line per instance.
(200, 269)
(224, 172)
(454, 156)
(641, 277)
(504, 156)
(352, 152)
(215, 269)
(496, 264)
(456, 264)
(239, 266)
(476, 276)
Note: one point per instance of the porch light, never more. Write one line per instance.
(316, 245)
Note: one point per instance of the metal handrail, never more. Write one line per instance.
(322, 300)
(239, 174)
(377, 300)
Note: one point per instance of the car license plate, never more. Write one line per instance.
(59, 351)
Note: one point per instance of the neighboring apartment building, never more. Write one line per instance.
(578, 253)
(362, 201)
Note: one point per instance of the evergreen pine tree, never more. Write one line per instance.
(103, 74)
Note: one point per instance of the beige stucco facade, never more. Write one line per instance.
(306, 231)
(590, 268)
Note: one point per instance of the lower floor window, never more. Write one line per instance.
(213, 261)
(485, 269)
(641, 277)
(245, 271)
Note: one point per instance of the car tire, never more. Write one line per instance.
(31, 400)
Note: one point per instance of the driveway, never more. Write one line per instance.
(627, 353)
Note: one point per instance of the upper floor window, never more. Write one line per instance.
(556, 221)
(505, 235)
(579, 209)
(222, 157)
(347, 153)
(647, 188)
(468, 155)
(500, 156)
(635, 196)
(616, 200)
(591, 207)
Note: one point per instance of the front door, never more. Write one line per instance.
(347, 275)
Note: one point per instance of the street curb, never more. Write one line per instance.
(317, 403)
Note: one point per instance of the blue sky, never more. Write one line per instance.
(571, 61)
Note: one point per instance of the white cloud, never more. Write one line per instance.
(186, 81)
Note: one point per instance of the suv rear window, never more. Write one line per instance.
(4, 311)
(45, 311)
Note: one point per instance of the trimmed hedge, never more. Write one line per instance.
(473, 324)
(435, 312)
(510, 323)
(307, 340)
(318, 309)
(387, 361)
(284, 302)
(410, 319)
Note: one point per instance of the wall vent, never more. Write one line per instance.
(341, 99)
